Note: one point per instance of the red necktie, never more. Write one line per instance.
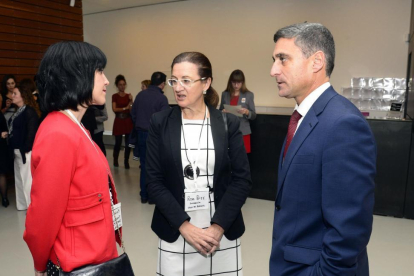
(293, 123)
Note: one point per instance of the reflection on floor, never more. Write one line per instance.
(391, 249)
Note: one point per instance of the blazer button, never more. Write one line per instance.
(277, 207)
(100, 199)
(99, 195)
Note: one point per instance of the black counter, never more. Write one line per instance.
(394, 191)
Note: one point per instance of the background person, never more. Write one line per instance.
(101, 115)
(147, 103)
(70, 174)
(189, 149)
(5, 161)
(325, 198)
(133, 139)
(8, 83)
(121, 105)
(145, 84)
(22, 131)
(237, 94)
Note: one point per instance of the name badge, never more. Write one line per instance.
(243, 100)
(196, 199)
(117, 215)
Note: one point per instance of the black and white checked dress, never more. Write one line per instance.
(180, 258)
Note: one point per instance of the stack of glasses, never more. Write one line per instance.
(375, 94)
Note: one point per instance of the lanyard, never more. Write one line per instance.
(196, 157)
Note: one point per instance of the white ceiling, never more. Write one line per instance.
(95, 6)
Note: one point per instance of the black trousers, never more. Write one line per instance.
(117, 147)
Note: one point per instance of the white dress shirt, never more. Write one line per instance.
(307, 103)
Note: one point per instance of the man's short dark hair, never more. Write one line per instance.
(66, 75)
(157, 78)
(311, 37)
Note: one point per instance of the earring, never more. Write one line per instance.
(204, 92)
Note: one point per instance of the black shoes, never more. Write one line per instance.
(5, 202)
(126, 163)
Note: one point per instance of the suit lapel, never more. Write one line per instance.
(174, 128)
(219, 135)
(306, 127)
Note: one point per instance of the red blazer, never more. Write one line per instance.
(70, 211)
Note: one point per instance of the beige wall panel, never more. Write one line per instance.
(238, 34)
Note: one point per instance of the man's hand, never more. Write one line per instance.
(204, 241)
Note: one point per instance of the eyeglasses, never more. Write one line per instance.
(183, 82)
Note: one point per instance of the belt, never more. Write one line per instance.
(122, 115)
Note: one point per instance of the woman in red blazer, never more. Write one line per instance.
(69, 220)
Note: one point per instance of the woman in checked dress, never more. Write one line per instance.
(191, 154)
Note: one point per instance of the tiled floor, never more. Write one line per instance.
(391, 249)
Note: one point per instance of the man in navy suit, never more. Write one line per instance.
(325, 198)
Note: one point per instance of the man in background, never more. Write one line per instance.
(147, 102)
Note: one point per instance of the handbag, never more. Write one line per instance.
(118, 266)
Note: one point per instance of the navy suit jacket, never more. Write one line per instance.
(325, 199)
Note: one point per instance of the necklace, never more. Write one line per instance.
(189, 169)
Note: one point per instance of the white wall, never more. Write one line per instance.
(238, 34)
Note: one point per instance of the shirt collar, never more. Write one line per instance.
(307, 103)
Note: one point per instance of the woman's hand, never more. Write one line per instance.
(217, 231)
(4, 134)
(204, 241)
(243, 111)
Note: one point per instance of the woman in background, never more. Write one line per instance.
(145, 84)
(22, 131)
(101, 115)
(7, 85)
(121, 105)
(237, 94)
(5, 160)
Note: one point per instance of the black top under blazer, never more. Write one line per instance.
(165, 178)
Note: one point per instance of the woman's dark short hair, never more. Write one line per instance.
(119, 78)
(66, 75)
